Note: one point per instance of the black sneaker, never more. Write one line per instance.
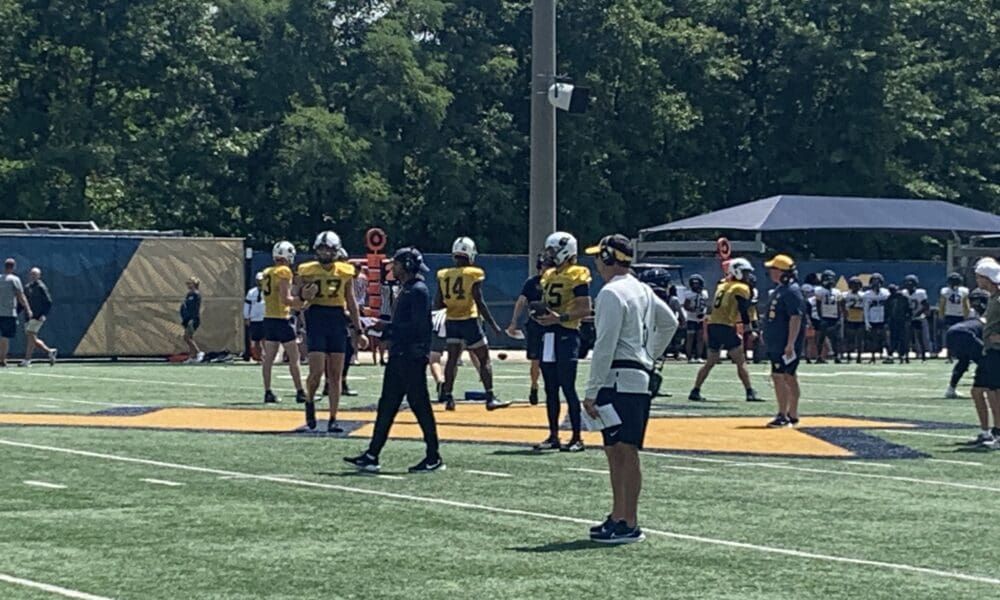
(752, 396)
(549, 444)
(620, 534)
(311, 415)
(602, 527)
(365, 462)
(270, 398)
(779, 421)
(996, 432)
(300, 397)
(575, 445)
(493, 403)
(333, 427)
(347, 391)
(533, 397)
(695, 396)
(428, 465)
(793, 422)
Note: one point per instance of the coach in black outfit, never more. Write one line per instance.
(409, 337)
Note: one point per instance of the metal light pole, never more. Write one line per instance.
(542, 201)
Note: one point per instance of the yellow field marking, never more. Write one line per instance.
(472, 423)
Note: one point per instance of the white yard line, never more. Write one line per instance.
(488, 473)
(44, 484)
(967, 463)
(92, 402)
(52, 589)
(409, 499)
(859, 463)
(146, 381)
(162, 482)
(679, 468)
(583, 470)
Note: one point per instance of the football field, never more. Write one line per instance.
(167, 482)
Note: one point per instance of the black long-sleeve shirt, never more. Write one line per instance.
(39, 298)
(409, 332)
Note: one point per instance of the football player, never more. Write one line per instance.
(830, 304)
(328, 290)
(566, 301)
(279, 332)
(730, 308)
(460, 293)
(854, 318)
(695, 307)
(531, 291)
(752, 343)
(920, 308)
(874, 305)
(658, 280)
(964, 341)
(810, 323)
(953, 303)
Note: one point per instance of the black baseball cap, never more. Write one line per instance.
(619, 246)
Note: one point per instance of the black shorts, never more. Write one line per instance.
(466, 331)
(780, 367)
(279, 330)
(8, 327)
(877, 327)
(722, 337)
(326, 330)
(693, 326)
(830, 326)
(633, 410)
(988, 371)
(533, 340)
(949, 321)
(256, 331)
(438, 343)
(854, 326)
(191, 326)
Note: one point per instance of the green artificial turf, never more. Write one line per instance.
(453, 534)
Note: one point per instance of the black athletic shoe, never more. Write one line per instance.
(347, 391)
(333, 427)
(600, 528)
(270, 398)
(778, 422)
(311, 415)
(792, 422)
(365, 462)
(300, 397)
(695, 396)
(449, 401)
(428, 465)
(533, 397)
(575, 445)
(752, 396)
(493, 403)
(620, 534)
(549, 444)
(996, 432)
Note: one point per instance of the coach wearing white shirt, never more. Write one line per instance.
(253, 318)
(633, 326)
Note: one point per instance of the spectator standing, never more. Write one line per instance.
(191, 319)
(253, 318)
(11, 294)
(898, 314)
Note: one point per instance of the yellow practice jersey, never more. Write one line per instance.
(561, 286)
(855, 304)
(726, 307)
(335, 282)
(456, 285)
(273, 307)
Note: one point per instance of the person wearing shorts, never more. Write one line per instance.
(11, 294)
(986, 384)
(785, 337)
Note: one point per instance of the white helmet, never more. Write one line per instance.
(328, 239)
(738, 268)
(560, 247)
(284, 250)
(342, 253)
(464, 246)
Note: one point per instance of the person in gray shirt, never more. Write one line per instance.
(11, 294)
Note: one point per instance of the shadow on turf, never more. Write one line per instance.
(357, 473)
(519, 452)
(562, 547)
